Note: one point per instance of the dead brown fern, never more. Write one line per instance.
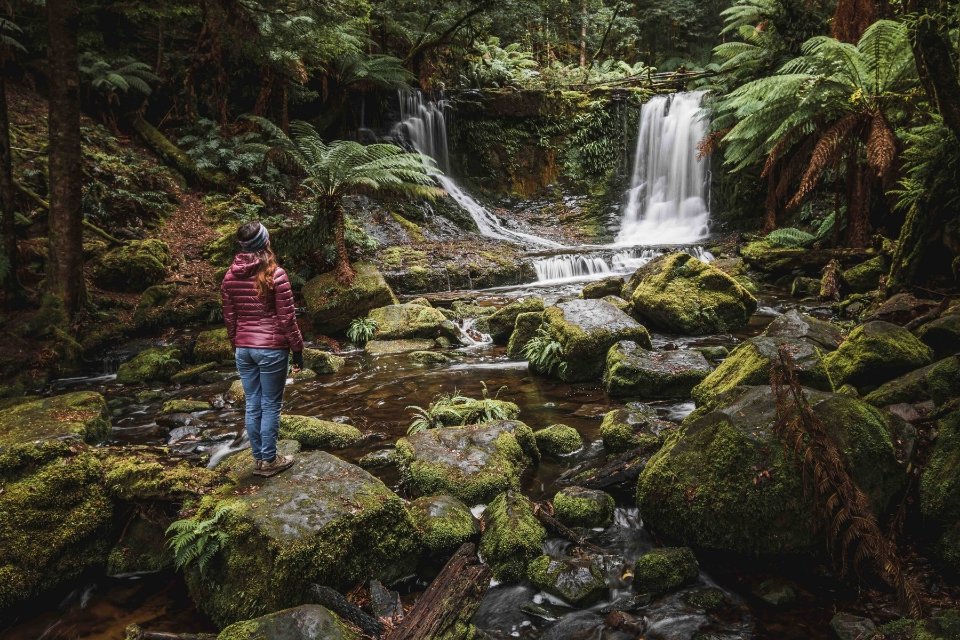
(881, 145)
(828, 151)
(710, 143)
(841, 510)
(851, 18)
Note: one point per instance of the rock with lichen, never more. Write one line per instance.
(874, 353)
(580, 507)
(136, 265)
(154, 364)
(322, 362)
(665, 569)
(504, 320)
(632, 426)
(314, 433)
(213, 346)
(632, 370)
(444, 523)
(558, 440)
(411, 321)
(332, 305)
(297, 623)
(578, 581)
(525, 328)
(512, 536)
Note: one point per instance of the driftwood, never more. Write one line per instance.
(603, 473)
(450, 599)
(544, 515)
(177, 157)
(334, 601)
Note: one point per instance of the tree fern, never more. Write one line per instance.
(790, 238)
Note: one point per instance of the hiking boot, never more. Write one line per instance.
(257, 465)
(275, 466)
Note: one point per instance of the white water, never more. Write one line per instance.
(576, 267)
(667, 202)
(424, 124)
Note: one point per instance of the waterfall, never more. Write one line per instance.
(573, 267)
(668, 199)
(423, 123)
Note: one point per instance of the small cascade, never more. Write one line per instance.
(423, 124)
(668, 199)
(469, 335)
(570, 267)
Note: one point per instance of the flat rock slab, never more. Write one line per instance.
(794, 324)
(391, 347)
(473, 463)
(632, 370)
(81, 415)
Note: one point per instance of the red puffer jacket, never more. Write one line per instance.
(255, 322)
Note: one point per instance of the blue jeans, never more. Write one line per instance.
(263, 372)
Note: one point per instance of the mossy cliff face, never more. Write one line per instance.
(444, 523)
(512, 536)
(679, 293)
(724, 481)
(305, 621)
(133, 267)
(586, 329)
(323, 521)
(473, 463)
(874, 353)
(332, 306)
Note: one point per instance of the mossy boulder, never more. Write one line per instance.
(632, 370)
(938, 382)
(602, 288)
(578, 581)
(763, 256)
(800, 326)
(314, 433)
(154, 364)
(305, 622)
(332, 305)
(473, 463)
(942, 625)
(725, 481)
(804, 287)
(503, 321)
(586, 329)
(940, 488)
(444, 523)
(136, 265)
(406, 321)
(579, 507)
(666, 569)
(142, 549)
(194, 373)
(56, 525)
(558, 440)
(943, 334)
(679, 293)
(235, 393)
(876, 352)
(524, 330)
(393, 347)
(750, 363)
(81, 415)
(512, 536)
(866, 275)
(323, 521)
(213, 346)
(322, 362)
(635, 425)
(183, 405)
(430, 357)
(135, 474)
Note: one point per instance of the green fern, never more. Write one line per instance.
(545, 353)
(791, 238)
(456, 409)
(196, 542)
(362, 330)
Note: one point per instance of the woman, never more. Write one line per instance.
(261, 322)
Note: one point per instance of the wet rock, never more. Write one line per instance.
(726, 483)
(666, 569)
(750, 363)
(901, 308)
(874, 353)
(512, 536)
(177, 420)
(322, 362)
(586, 625)
(632, 370)
(313, 433)
(579, 507)
(473, 463)
(423, 302)
(391, 347)
(407, 321)
(25, 426)
(444, 523)
(635, 425)
(430, 357)
(131, 474)
(303, 374)
(213, 346)
(938, 382)
(679, 293)
(943, 334)
(305, 622)
(142, 549)
(709, 599)
(322, 521)
(194, 373)
(558, 440)
(332, 306)
(804, 287)
(159, 363)
(378, 459)
(850, 627)
(866, 275)
(602, 288)
(940, 489)
(134, 266)
(576, 580)
(767, 258)
(183, 405)
(235, 394)
(796, 325)
(504, 320)
(150, 395)
(586, 329)
(618, 302)
(714, 353)
(942, 625)
(777, 592)
(526, 327)
(384, 603)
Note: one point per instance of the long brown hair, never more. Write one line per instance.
(268, 261)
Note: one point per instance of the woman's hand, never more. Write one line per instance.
(297, 358)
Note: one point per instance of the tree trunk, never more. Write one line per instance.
(936, 60)
(858, 205)
(266, 90)
(65, 262)
(915, 234)
(345, 272)
(583, 33)
(770, 206)
(10, 282)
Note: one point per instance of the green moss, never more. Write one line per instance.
(943, 625)
(213, 346)
(558, 440)
(444, 523)
(866, 275)
(525, 328)
(938, 382)
(632, 370)
(579, 582)
(666, 569)
(134, 266)
(579, 507)
(318, 434)
(158, 363)
(512, 536)
(306, 621)
(332, 306)
(184, 406)
(940, 482)
(405, 321)
(142, 549)
(133, 474)
(504, 320)
(82, 415)
(192, 374)
(876, 352)
(709, 599)
(322, 362)
(943, 334)
(762, 256)
(414, 232)
(430, 357)
(235, 393)
(635, 425)
(679, 293)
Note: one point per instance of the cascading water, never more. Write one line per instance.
(575, 267)
(424, 124)
(668, 199)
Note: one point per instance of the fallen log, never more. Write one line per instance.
(134, 632)
(544, 514)
(603, 473)
(449, 601)
(353, 614)
(177, 157)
